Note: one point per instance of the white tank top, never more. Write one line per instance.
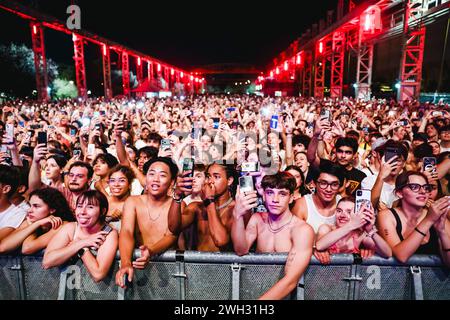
(315, 219)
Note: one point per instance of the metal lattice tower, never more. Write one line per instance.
(40, 63)
(337, 64)
(106, 54)
(125, 73)
(364, 68)
(80, 71)
(412, 54)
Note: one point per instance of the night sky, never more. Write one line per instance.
(192, 34)
(187, 34)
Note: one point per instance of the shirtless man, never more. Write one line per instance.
(277, 230)
(213, 214)
(318, 209)
(150, 213)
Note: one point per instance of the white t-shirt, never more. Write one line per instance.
(12, 217)
(136, 188)
(387, 197)
(140, 144)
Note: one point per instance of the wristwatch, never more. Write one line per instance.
(208, 201)
(177, 200)
(81, 252)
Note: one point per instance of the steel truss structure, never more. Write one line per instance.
(40, 63)
(358, 31)
(39, 21)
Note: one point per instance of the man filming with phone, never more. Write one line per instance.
(277, 230)
(214, 213)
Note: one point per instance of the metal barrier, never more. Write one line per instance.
(195, 275)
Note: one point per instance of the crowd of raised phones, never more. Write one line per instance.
(83, 179)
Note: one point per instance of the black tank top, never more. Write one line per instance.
(431, 247)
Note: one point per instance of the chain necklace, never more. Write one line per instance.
(225, 204)
(150, 216)
(276, 230)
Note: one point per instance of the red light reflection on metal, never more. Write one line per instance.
(320, 47)
(104, 49)
(139, 61)
(286, 66)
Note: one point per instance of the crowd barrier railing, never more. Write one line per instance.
(192, 275)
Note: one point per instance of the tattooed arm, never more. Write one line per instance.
(297, 261)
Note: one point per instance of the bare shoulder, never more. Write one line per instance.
(299, 208)
(300, 227)
(385, 215)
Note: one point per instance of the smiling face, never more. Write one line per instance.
(118, 184)
(87, 213)
(158, 179)
(38, 209)
(327, 187)
(344, 211)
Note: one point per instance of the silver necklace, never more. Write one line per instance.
(276, 230)
(150, 216)
(225, 204)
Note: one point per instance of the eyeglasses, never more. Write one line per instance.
(415, 187)
(121, 181)
(324, 184)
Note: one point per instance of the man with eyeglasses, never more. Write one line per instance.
(318, 208)
(346, 152)
(76, 180)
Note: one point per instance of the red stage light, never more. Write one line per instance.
(277, 70)
(271, 74)
(320, 47)
(192, 77)
(172, 72)
(104, 49)
(139, 61)
(299, 59)
(159, 67)
(286, 66)
(181, 75)
(34, 30)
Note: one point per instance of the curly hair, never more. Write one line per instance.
(55, 200)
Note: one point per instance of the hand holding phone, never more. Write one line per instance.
(42, 137)
(429, 164)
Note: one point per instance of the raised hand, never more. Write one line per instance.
(245, 201)
(40, 152)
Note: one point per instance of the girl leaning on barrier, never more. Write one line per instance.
(352, 230)
(48, 212)
(413, 227)
(89, 233)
